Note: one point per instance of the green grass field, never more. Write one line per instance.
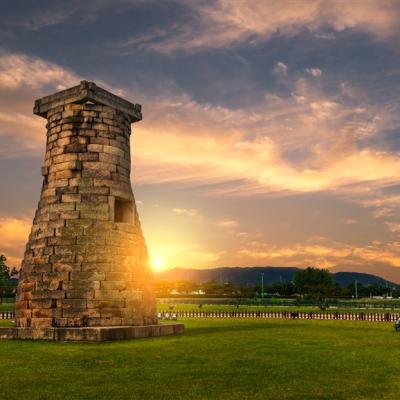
(215, 359)
(7, 306)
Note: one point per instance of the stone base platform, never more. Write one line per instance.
(92, 334)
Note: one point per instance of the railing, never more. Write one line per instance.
(7, 314)
(348, 316)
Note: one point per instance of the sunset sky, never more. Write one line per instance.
(271, 130)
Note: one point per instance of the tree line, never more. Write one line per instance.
(7, 281)
(313, 283)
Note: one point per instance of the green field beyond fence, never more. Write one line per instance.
(212, 305)
(9, 306)
(207, 304)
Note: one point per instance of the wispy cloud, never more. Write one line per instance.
(14, 235)
(50, 14)
(195, 214)
(315, 72)
(229, 224)
(251, 147)
(322, 252)
(22, 80)
(382, 205)
(224, 23)
(281, 144)
(393, 226)
(189, 212)
(281, 69)
(19, 70)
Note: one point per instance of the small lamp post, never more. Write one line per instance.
(262, 287)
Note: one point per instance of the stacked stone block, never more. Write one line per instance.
(86, 262)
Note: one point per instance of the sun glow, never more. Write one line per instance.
(159, 263)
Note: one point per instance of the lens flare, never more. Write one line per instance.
(158, 263)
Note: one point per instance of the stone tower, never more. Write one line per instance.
(86, 262)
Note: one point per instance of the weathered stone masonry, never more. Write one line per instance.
(86, 262)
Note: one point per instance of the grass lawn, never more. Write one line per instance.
(7, 306)
(215, 359)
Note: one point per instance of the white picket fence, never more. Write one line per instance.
(347, 316)
(7, 314)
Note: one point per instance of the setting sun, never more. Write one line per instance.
(158, 263)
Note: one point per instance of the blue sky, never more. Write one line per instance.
(270, 132)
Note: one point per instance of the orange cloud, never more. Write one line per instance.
(205, 142)
(18, 70)
(249, 147)
(22, 80)
(393, 227)
(224, 23)
(228, 224)
(321, 252)
(383, 205)
(27, 133)
(190, 212)
(14, 235)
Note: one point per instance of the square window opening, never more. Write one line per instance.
(123, 211)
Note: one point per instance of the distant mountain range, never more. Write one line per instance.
(251, 276)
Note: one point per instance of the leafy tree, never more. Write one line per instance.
(5, 275)
(314, 282)
(4, 269)
(281, 288)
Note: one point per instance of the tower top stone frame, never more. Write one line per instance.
(83, 93)
(85, 273)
